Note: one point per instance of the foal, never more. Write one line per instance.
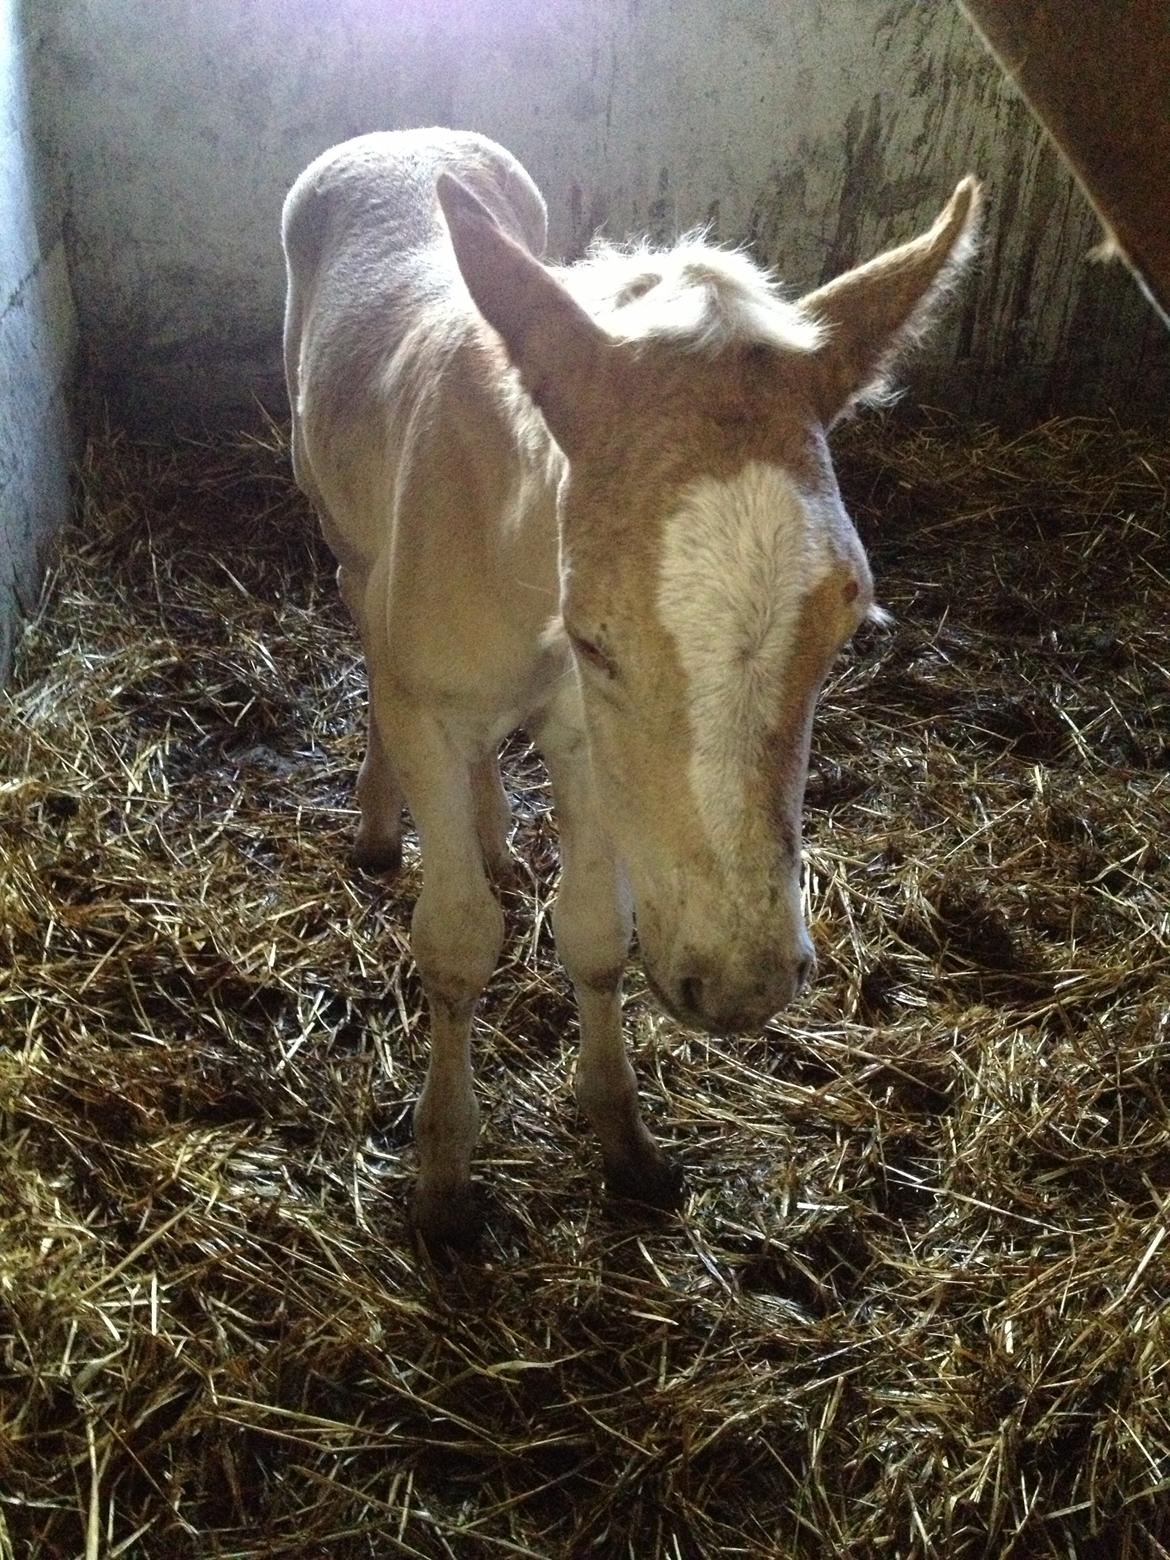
(596, 501)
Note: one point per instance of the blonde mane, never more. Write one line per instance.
(694, 294)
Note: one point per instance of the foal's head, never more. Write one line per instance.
(709, 571)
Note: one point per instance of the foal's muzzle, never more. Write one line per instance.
(702, 996)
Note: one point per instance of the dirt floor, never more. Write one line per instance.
(919, 1301)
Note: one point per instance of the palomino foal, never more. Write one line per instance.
(596, 501)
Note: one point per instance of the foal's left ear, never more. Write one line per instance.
(558, 349)
(873, 312)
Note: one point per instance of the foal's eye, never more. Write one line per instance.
(592, 653)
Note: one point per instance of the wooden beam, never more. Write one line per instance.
(1096, 73)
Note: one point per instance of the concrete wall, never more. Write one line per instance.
(819, 131)
(38, 338)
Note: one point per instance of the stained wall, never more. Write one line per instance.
(818, 132)
(38, 336)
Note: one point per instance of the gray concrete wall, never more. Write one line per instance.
(38, 338)
(819, 132)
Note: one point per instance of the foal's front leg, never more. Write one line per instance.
(593, 924)
(456, 934)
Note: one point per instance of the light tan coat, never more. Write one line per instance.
(598, 502)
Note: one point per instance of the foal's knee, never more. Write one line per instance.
(455, 941)
(593, 939)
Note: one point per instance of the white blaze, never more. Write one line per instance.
(739, 557)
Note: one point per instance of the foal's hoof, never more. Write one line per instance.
(377, 857)
(655, 1183)
(447, 1224)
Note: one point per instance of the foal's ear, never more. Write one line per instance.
(549, 337)
(875, 311)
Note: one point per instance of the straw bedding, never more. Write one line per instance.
(918, 1302)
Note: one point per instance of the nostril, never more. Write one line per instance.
(690, 990)
(804, 972)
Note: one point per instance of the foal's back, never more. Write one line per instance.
(376, 307)
(368, 208)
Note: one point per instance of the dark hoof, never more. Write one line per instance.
(656, 1183)
(378, 860)
(449, 1225)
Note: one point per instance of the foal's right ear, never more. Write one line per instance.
(557, 348)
